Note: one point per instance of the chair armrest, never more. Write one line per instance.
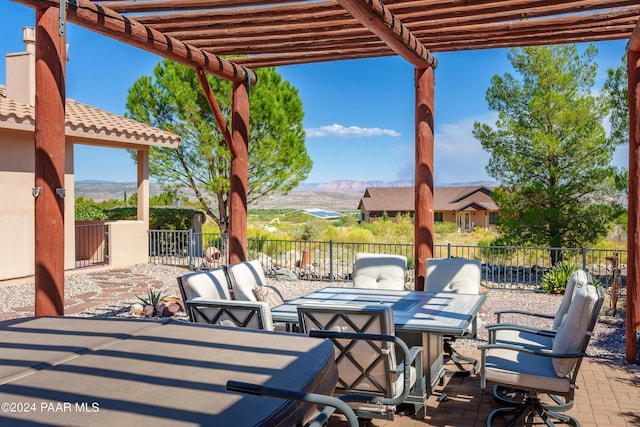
(331, 403)
(492, 329)
(524, 313)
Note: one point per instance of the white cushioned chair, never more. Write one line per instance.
(207, 299)
(379, 271)
(462, 276)
(367, 364)
(551, 371)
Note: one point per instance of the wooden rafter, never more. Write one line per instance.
(107, 22)
(380, 21)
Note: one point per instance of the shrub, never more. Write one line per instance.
(89, 213)
(555, 281)
(444, 227)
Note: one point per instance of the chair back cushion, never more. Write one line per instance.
(573, 334)
(365, 367)
(209, 284)
(244, 277)
(379, 271)
(577, 280)
(453, 275)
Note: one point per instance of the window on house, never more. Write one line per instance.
(437, 217)
(494, 218)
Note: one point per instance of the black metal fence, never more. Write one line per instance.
(506, 267)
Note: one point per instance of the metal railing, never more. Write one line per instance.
(507, 267)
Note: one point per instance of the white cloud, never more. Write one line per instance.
(458, 156)
(338, 131)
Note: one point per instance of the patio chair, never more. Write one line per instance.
(243, 314)
(379, 271)
(462, 276)
(538, 337)
(544, 371)
(365, 342)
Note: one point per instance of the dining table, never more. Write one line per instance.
(420, 318)
(74, 371)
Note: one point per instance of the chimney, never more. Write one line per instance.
(21, 70)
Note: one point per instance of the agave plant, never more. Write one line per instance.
(555, 281)
(153, 298)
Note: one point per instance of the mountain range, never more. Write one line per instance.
(341, 195)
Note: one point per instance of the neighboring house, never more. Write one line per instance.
(467, 207)
(128, 240)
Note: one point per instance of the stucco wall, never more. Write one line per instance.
(128, 243)
(17, 205)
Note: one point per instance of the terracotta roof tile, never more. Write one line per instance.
(84, 121)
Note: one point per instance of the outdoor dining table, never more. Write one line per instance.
(421, 318)
(66, 371)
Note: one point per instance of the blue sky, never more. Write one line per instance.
(359, 115)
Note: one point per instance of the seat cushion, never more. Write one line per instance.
(572, 333)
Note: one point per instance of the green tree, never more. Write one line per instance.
(172, 99)
(549, 150)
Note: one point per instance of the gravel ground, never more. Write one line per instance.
(608, 341)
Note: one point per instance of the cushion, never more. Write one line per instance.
(577, 280)
(575, 327)
(268, 294)
(453, 275)
(211, 284)
(379, 271)
(244, 277)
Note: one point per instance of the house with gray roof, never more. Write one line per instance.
(466, 206)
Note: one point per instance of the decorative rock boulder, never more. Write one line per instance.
(286, 275)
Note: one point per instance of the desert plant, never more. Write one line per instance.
(555, 281)
(153, 298)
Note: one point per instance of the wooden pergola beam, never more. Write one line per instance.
(105, 21)
(215, 107)
(381, 22)
(634, 40)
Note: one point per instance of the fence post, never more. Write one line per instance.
(191, 245)
(448, 250)
(331, 260)
(584, 259)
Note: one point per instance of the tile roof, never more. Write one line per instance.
(402, 199)
(88, 125)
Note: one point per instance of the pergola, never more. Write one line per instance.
(263, 33)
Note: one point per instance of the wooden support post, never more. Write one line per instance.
(239, 185)
(423, 221)
(49, 138)
(633, 234)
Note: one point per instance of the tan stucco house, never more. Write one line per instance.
(84, 125)
(466, 206)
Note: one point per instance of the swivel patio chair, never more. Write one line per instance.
(462, 276)
(365, 342)
(544, 371)
(210, 285)
(379, 271)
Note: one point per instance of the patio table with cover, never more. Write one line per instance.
(421, 318)
(68, 371)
